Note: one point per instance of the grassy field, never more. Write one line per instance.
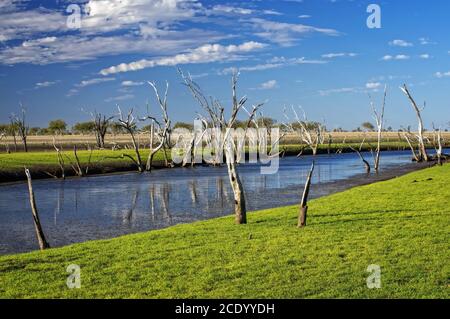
(402, 225)
(106, 157)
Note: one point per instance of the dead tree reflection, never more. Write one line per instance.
(129, 213)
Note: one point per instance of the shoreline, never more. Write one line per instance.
(318, 190)
(38, 171)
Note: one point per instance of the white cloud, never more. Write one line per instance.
(425, 56)
(132, 83)
(234, 10)
(337, 91)
(269, 85)
(373, 85)
(204, 54)
(137, 21)
(425, 41)
(400, 43)
(120, 98)
(272, 12)
(90, 82)
(274, 63)
(395, 57)
(338, 55)
(441, 75)
(45, 84)
(304, 16)
(286, 34)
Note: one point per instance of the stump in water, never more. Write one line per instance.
(43, 244)
(304, 203)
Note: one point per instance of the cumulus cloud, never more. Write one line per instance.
(269, 85)
(205, 54)
(338, 55)
(425, 56)
(400, 43)
(94, 81)
(395, 57)
(132, 83)
(373, 85)
(441, 75)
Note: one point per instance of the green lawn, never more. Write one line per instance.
(403, 225)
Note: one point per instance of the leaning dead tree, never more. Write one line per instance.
(43, 244)
(378, 116)
(304, 203)
(358, 151)
(101, 124)
(162, 131)
(20, 125)
(310, 133)
(409, 138)
(422, 156)
(128, 123)
(216, 115)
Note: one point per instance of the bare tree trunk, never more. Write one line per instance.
(304, 203)
(415, 157)
(240, 210)
(43, 244)
(148, 166)
(439, 147)
(423, 156)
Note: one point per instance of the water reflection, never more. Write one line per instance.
(77, 210)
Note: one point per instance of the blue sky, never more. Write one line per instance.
(319, 54)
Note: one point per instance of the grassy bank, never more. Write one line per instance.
(107, 161)
(402, 225)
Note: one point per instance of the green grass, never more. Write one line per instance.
(16, 161)
(403, 225)
(39, 159)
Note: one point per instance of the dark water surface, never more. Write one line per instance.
(78, 210)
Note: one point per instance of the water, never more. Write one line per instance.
(78, 210)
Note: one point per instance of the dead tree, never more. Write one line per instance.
(59, 156)
(379, 119)
(22, 129)
(408, 136)
(259, 124)
(216, 115)
(438, 144)
(163, 130)
(312, 134)
(304, 203)
(358, 151)
(101, 124)
(129, 124)
(43, 244)
(422, 156)
(167, 123)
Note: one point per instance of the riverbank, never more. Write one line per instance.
(400, 224)
(44, 165)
